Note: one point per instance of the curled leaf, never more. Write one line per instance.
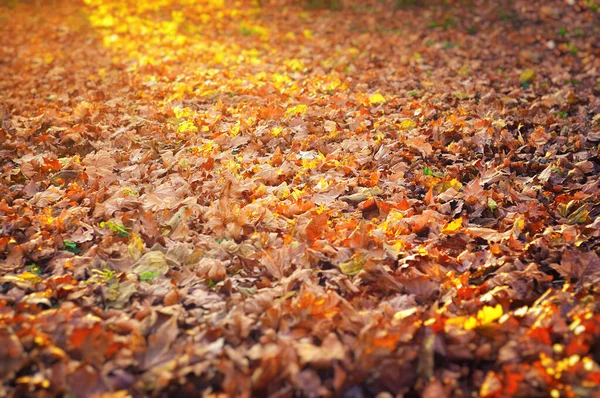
(353, 266)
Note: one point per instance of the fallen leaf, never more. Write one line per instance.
(353, 266)
(376, 98)
(452, 226)
(152, 262)
(135, 247)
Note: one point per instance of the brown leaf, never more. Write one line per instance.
(159, 343)
(211, 269)
(321, 356)
(579, 265)
(12, 355)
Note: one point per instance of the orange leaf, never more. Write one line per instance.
(403, 205)
(51, 165)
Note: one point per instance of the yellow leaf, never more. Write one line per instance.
(294, 64)
(518, 226)
(456, 321)
(527, 76)
(395, 248)
(452, 226)
(182, 112)
(446, 185)
(485, 316)
(30, 277)
(209, 147)
(296, 110)
(579, 216)
(135, 247)
(376, 98)
(470, 323)
(277, 130)
(322, 185)
(235, 129)
(353, 266)
(489, 314)
(81, 109)
(407, 124)
(187, 127)
(457, 185)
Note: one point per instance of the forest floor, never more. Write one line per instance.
(199, 199)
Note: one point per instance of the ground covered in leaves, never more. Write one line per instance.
(202, 198)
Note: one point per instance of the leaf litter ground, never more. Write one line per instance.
(200, 199)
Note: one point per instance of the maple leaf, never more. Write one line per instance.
(584, 267)
(452, 226)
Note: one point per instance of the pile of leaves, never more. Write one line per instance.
(200, 198)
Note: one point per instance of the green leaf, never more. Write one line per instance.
(33, 268)
(429, 172)
(561, 114)
(116, 228)
(492, 205)
(153, 263)
(148, 276)
(71, 247)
